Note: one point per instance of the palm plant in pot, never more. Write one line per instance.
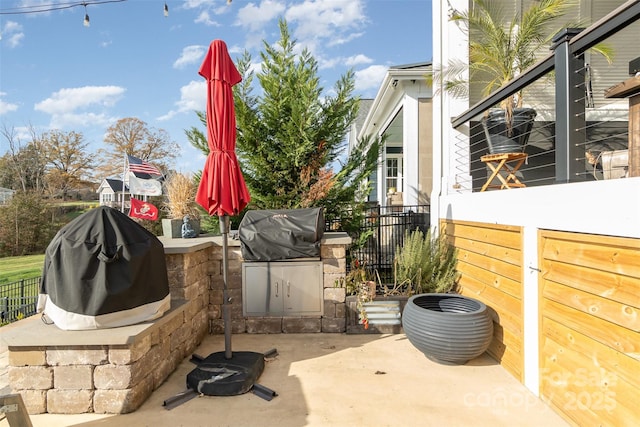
(180, 193)
(501, 46)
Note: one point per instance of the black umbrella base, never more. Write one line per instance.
(216, 375)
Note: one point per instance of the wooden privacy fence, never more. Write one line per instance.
(590, 327)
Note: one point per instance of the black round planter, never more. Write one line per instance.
(447, 328)
(508, 139)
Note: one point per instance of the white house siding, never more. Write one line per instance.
(401, 97)
(425, 151)
(410, 150)
(603, 208)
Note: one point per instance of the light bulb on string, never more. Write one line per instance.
(166, 9)
(86, 22)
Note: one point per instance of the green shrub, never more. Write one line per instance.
(424, 264)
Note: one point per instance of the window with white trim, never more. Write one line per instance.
(394, 171)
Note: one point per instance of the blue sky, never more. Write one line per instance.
(132, 61)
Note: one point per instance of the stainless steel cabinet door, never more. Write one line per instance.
(303, 288)
(261, 294)
(291, 288)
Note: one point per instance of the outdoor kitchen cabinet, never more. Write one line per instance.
(286, 288)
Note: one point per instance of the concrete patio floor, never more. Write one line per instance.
(340, 380)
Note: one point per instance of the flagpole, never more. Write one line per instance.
(124, 171)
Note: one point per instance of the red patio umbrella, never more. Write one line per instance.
(222, 190)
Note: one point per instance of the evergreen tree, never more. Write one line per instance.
(291, 135)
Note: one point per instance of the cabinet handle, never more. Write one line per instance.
(288, 288)
(276, 289)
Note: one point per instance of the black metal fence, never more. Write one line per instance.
(18, 299)
(378, 231)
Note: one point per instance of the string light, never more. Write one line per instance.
(43, 8)
(40, 8)
(86, 22)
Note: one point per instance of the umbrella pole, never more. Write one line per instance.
(226, 310)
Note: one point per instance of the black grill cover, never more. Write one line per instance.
(103, 270)
(271, 235)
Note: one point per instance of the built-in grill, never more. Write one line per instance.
(282, 269)
(274, 235)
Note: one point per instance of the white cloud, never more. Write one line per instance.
(73, 120)
(194, 4)
(193, 97)
(207, 7)
(68, 107)
(350, 61)
(337, 41)
(255, 17)
(190, 55)
(205, 18)
(357, 60)
(6, 107)
(69, 100)
(325, 19)
(370, 77)
(12, 33)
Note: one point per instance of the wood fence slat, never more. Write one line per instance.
(496, 265)
(489, 249)
(593, 305)
(623, 289)
(616, 259)
(504, 284)
(598, 239)
(598, 354)
(586, 394)
(500, 236)
(617, 337)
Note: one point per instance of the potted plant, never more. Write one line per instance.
(422, 264)
(501, 47)
(180, 193)
(361, 288)
(445, 326)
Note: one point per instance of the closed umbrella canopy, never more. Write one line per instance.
(222, 189)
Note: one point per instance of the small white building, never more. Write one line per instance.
(5, 195)
(110, 192)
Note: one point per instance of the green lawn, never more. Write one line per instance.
(15, 268)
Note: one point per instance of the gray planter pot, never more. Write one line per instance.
(173, 227)
(447, 328)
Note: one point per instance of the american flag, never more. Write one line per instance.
(137, 165)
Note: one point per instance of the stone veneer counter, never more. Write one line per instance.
(110, 370)
(178, 246)
(115, 370)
